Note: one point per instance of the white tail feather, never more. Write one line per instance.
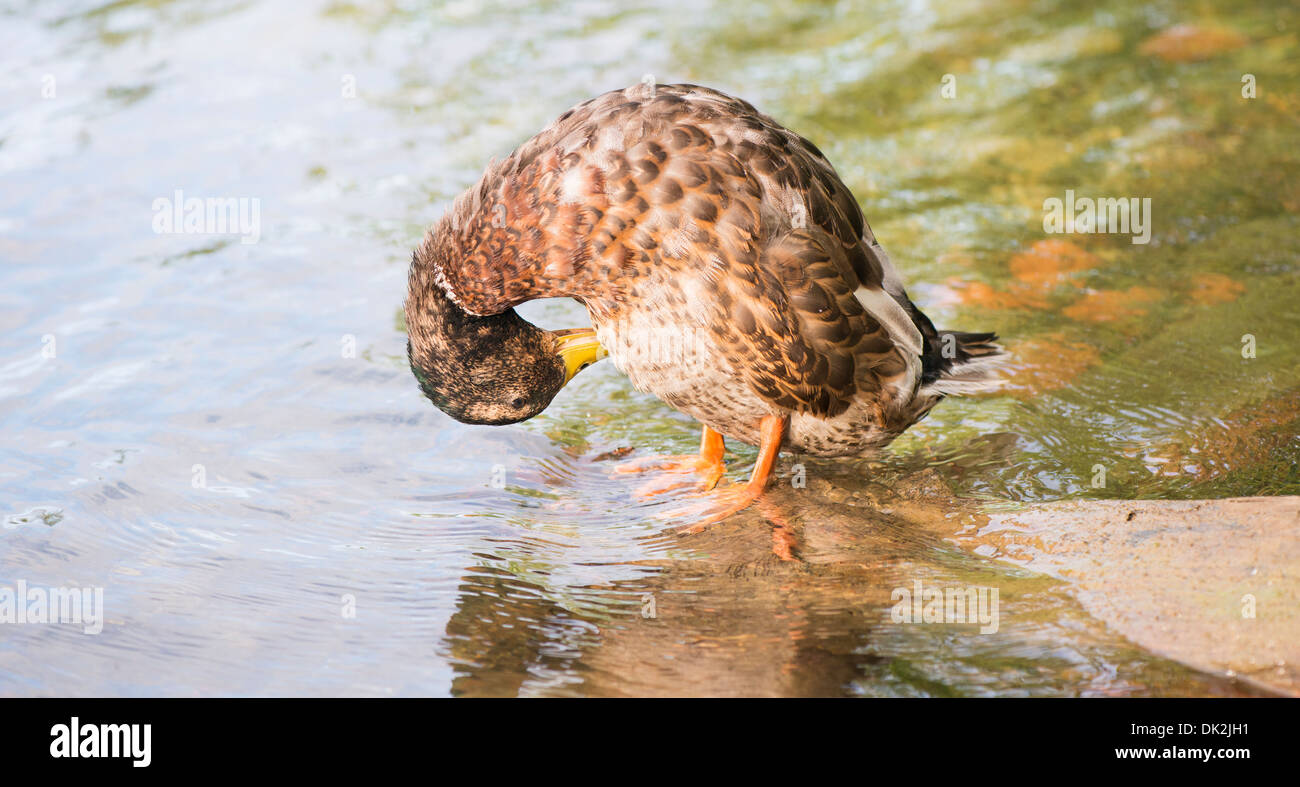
(978, 375)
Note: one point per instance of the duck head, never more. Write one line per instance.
(496, 369)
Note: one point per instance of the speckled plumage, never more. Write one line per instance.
(725, 266)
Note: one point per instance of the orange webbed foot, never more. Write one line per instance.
(715, 506)
(674, 472)
(707, 468)
(730, 499)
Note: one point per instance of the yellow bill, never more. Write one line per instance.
(580, 349)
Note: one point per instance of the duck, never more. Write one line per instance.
(725, 267)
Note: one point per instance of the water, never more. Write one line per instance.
(222, 435)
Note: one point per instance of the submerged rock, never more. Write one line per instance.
(1209, 583)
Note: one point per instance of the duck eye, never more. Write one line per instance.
(517, 402)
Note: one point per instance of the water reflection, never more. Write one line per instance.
(722, 614)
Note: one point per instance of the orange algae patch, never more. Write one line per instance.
(980, 294)
(1050, 262)
(1102, 306)
(1190, 43)
(1037, 271)
(1212, 288)
(1046, 364)
(1242, 438)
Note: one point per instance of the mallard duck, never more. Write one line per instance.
(726, 269)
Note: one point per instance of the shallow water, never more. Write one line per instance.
(223, 435)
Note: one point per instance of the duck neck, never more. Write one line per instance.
(437, 323)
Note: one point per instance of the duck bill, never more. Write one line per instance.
(579, 349)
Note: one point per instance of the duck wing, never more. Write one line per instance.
(808, 305)
(823, 338)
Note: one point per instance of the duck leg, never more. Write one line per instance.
(708, 466)
(727, 501)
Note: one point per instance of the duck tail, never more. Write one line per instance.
(966, 363)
